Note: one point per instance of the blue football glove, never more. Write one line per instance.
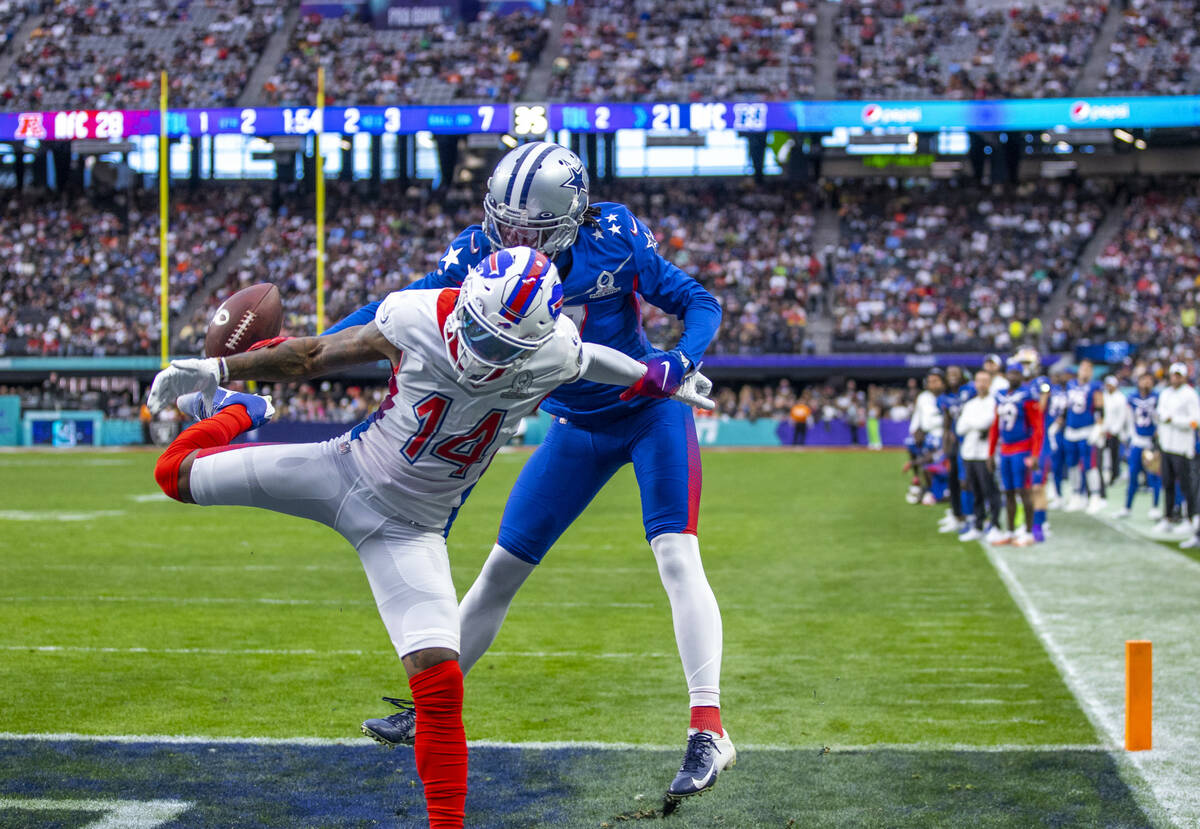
(664, 374)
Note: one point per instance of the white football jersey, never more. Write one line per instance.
(431, 438)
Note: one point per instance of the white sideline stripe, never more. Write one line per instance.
(118, 814)
(1084, 593)
(312, 652)
(535, 745)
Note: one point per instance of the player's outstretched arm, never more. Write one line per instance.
(294, 359)
(306, 357)
(607, 365)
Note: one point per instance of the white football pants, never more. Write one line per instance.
(407, 567)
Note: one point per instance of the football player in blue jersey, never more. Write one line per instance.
(1143, 405)
(950, 402)
(609, 263)
(1083, 433)
(1054, 445)
(1017, 430)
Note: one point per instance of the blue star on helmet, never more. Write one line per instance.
(576, 182)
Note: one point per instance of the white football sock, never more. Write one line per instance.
(695, 613)
(1093, 481)
(1075, 480)
(483, 609)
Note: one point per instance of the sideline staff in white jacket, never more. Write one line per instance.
(1178, 416)
(973, 424)
(1116, 427)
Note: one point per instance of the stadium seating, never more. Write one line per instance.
(110, 55)
(373, 246)
(942, 268)
(685, 50)
(83, 280)
(1144, 287)
(485, 60)
(916, 48)
(1154, 51)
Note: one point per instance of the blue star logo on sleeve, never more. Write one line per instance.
(451, 257)
(576, 182)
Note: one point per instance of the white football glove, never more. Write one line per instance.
(1098, 437)
(694, 391)
(182, 377)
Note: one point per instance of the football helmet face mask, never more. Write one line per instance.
(506, 309)
(536, 197)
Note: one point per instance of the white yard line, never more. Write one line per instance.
(1085, 592)
(44, 649)
(361, 742)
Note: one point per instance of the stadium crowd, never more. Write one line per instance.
(939, 268)
(916, 48)
(109, 55)
(1145, 286)
(487, 59)
(80, 279)
(1154, 50)
(684, 50)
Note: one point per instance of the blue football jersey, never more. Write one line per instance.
(612, 265)
(1143, 413)
(1057, 405)
(951, 403)
(1015, 416)
(1081, 403)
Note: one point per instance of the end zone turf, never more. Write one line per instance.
(358, 785)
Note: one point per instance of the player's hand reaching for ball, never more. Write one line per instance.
(182, 377)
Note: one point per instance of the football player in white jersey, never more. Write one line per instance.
(468, 364)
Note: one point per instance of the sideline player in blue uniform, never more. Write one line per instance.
(1144, 403)
(1053, 445)
(1018, 430)
(950, 403)
(1084, 415)
(608, 260)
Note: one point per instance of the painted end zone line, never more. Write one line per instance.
(361, 742)
(116, 814)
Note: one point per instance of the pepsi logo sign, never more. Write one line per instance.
(873, 114)
(1085, 111)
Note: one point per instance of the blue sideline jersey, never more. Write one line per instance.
(1143, 416)
(612, 263)
(1057, 405)
(951, 403)
(1081, 403)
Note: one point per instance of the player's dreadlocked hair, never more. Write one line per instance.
(591, 216)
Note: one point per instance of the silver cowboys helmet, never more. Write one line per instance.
(536, 197)
(507, 308)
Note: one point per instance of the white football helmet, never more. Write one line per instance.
(507, 308)
(536, 197)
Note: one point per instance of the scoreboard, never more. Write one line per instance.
(264, 121)
(537, 119)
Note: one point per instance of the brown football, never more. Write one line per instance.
(250, 315)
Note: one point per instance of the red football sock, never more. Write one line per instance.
(217, 430)
(706, 718)
(441, 743)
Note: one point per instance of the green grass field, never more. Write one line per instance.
(848, 624)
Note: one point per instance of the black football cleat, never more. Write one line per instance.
(707, 755)
(399, 729)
